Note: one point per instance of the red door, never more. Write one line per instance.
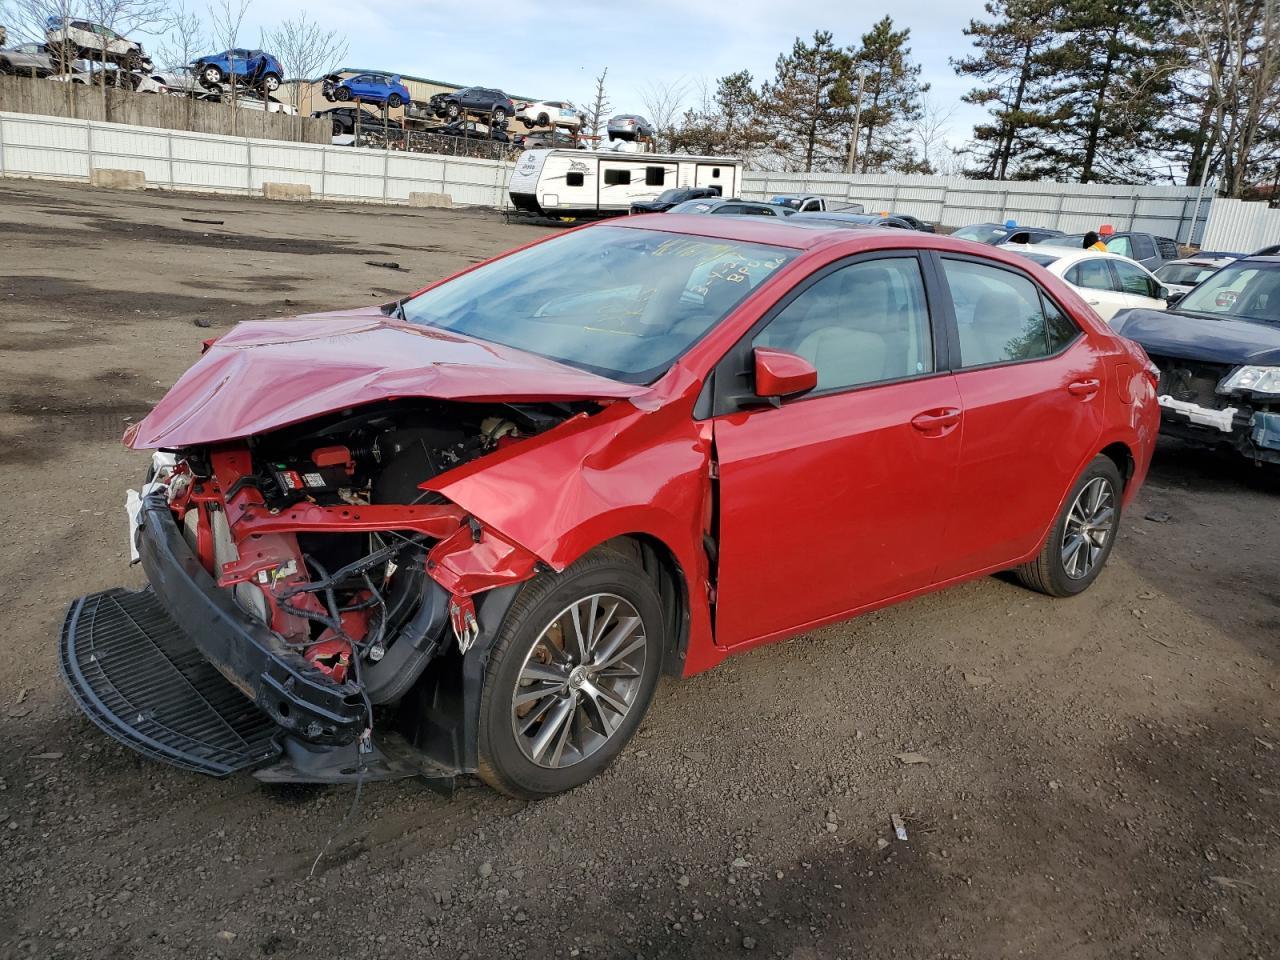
(836, 500)
(1030, 384)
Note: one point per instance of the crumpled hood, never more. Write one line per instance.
(267, 374)
(1187, 337)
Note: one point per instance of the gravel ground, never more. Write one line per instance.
(1088, 778)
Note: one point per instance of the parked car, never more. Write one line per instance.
(1109, 283)
(485, 102)
(247, 100)
(1218, 350)
(841, 218)
(344, 120)
(995, 234)
(1146, 248)
(488, 516)
(546, 113)
(367, 87)
(629, 126)
(1270, 251)
(731, 207)
(66, 38)
(180, 83)
(915, 223)
(669, 198)
(1181, 276)
(549, 140)
(472, 130)
(250, 68)
(812, 203)
(27, 59)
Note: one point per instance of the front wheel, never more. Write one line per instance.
(271, 82)
(212, 75)
(342, 94)
(571, 675)
(1081, 539)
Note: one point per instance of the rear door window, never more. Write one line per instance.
(1093, 274)
(1001, 316)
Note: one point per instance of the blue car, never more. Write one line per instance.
(367, 88)
(252, 68)
(1218, 351)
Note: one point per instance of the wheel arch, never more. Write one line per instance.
(660, 565)
(1121, 455)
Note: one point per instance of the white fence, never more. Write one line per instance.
(64, 149)
(955, 201)
(1239, 227)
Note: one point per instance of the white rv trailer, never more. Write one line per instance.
(579, 183)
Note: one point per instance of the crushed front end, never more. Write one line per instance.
(1221, 405)
(310, 602)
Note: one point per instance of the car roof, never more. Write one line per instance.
(1212, 260)
(1068, 254)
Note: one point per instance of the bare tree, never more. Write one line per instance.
(597, 114)
(226, 18)
(929, 130)
(125, 18)
(27, 21)
(306, 51)
(185, 40)
(663, 105)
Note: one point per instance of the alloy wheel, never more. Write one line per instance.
(1090, 524)
(579, 681)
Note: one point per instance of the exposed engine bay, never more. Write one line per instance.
(343, 597)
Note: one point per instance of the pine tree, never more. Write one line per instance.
(890, 99)
(1105, 91)
(725, 122)
(808, 106)
(1011, 44)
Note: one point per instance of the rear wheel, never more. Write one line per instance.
(571, 675)
(1081, 540)
(544, 120)
(394, 101)
(499, 114)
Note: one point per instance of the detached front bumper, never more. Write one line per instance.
(180, 673)
(1252, 433)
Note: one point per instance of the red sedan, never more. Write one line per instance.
(467, 531)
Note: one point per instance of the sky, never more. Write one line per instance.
(554, 50)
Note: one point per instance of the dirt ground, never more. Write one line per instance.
(1102, 775)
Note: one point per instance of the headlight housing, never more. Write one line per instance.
(1264, 380)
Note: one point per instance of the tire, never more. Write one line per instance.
(452, 111)
(1083, 535)
(211, 75)
(589, 737)
(342, 94)
(394, 101)
(271, 82)
(338, 129)
(499, 114)
(544, 120)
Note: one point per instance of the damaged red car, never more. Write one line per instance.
(466, 532)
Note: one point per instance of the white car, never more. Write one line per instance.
(1182, 276)
(244, 101)
(1108, 282)
(84, 40)
(548, 113)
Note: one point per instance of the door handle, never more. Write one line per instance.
(1083, 388)
(1093, 303)
(941, 419)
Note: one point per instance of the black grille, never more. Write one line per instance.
(139, 678)
(1192, 381)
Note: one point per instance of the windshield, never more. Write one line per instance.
(982, 232)
(1245, 291)
(1185, 273)
(1073, 240)
(616, 301)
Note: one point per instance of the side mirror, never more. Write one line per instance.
(1162, 292)
(780, 374)
(1170, 298)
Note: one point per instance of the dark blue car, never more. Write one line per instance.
(1218, 352)
(368, 88)
(253, 68)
